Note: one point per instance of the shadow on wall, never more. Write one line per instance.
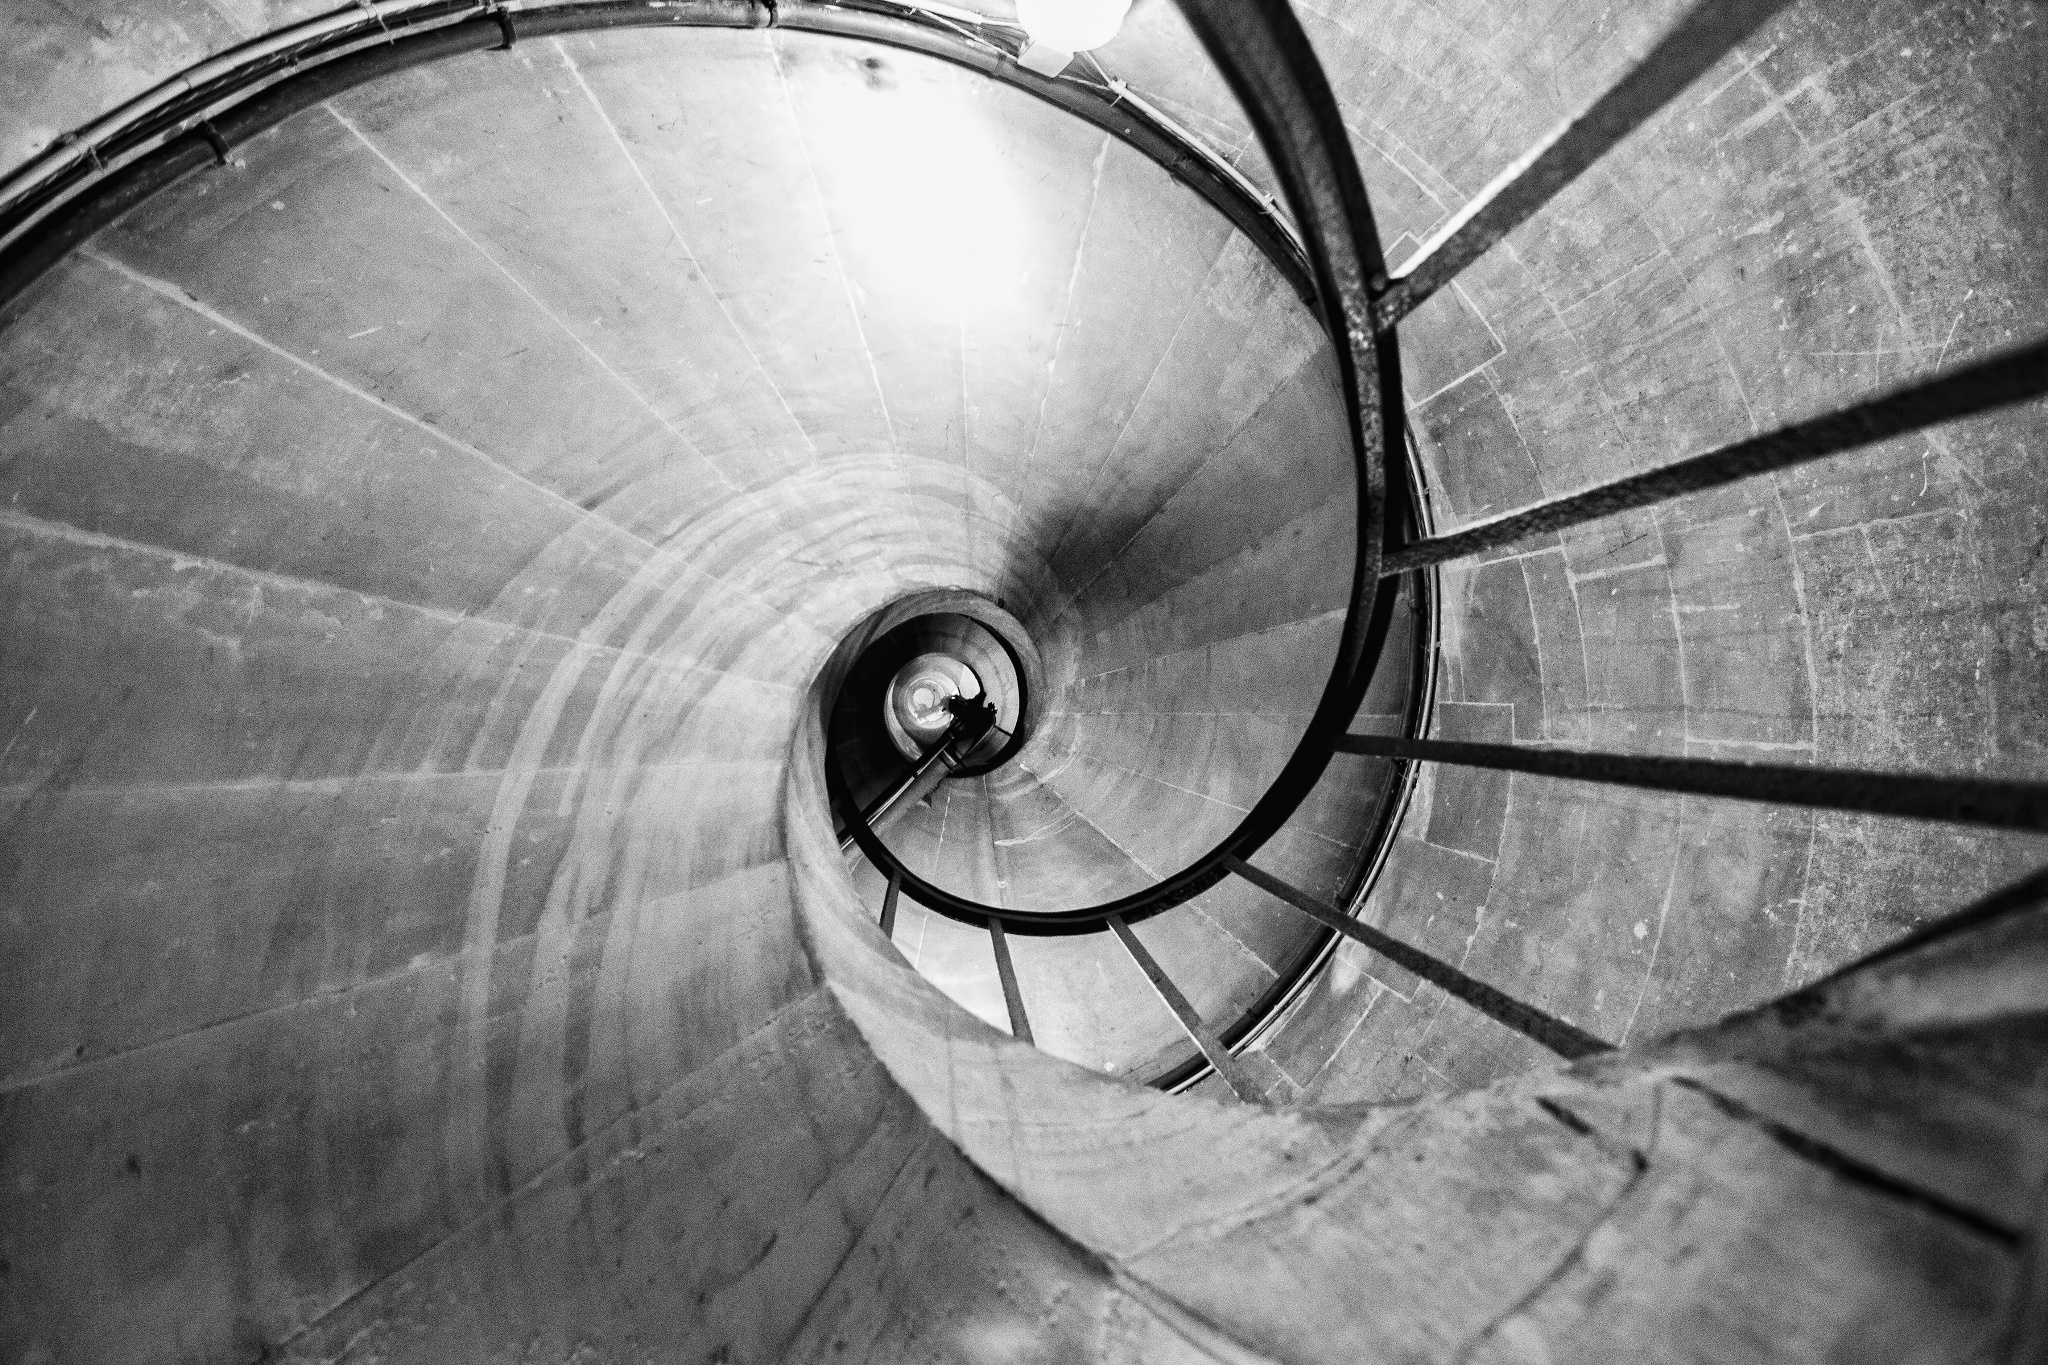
(1050, 619)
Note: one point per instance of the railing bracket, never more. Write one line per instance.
(211, 134)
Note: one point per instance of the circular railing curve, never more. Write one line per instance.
(197, 117)
(1329, 253)
(1265, 56)
(88, 178)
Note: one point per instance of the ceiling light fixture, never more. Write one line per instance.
(1072, 25)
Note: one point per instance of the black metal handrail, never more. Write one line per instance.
(197, 117)
(1264, 56)
(970, 724)
(115, 163)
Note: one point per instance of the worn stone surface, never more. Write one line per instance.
(421, 940)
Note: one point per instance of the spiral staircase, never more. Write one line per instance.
(742, 681)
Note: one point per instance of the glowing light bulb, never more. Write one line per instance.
(1072, 25)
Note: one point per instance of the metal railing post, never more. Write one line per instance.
(1234, 1072)
(1013, 999)
(889, 898)
(1566, 1040)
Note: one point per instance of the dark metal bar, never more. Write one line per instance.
(1566, 1040)
(1136, 906)
(213, 139)
(889, 899)
(935, 767)
(1234, 1072)
(1955, 800)
(1694, 44)
(1013, 999)
(2008, 377)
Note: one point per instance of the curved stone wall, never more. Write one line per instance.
(421, 532)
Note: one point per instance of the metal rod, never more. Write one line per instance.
(1234, 1072)
(1566, 1040)
(919, 784)
(2008, 377)
(1694, 44)
(83, 143)
(163, 116)
(889, 898)
(1013, 999)
(1214, 159)
(1961, 801)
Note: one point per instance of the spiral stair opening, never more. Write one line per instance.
(730, 681)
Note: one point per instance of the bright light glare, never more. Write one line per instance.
(1072, 25)
(931, 221)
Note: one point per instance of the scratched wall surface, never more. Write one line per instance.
(1847, 202)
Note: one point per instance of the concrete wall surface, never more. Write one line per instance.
(425, 537)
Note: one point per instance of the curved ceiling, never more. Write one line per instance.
(631, 342)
